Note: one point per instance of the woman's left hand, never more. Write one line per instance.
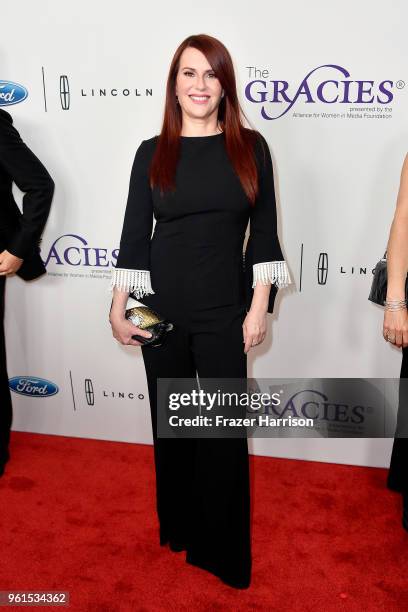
(395, 327)
(254, 328)
(9, 264)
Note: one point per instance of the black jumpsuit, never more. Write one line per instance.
(19, 234)
(192, 271)
(398, 472)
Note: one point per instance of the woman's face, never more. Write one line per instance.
(198, 89)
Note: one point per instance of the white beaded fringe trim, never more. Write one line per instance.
(133, 281)
(273, 272)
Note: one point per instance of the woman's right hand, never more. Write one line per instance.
(123, 330)
(396, 326)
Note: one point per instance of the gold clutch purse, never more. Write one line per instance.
(149, 320)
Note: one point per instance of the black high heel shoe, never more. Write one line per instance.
(405, 510)
(3, 461)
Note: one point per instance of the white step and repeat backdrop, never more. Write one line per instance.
(324, 82)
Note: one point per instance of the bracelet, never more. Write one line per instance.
(395, 304)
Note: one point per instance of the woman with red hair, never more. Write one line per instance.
(202, 179)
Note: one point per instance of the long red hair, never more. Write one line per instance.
(239, 140)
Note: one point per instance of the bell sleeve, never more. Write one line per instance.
(263, 259)
(132, 271)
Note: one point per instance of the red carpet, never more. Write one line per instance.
(78, 515)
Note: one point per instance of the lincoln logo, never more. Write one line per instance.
(64, 92)
(322, 268)
(89, 392)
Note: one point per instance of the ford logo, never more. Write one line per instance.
(11, 93)
(33, 386)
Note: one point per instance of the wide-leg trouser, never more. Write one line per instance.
(202, 484)
(5, 399)
(398, 472)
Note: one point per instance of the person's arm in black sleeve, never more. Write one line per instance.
(132, 272)
(31, 177)
(264, 262)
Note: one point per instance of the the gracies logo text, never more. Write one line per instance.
(339, 89)
(73, 250)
